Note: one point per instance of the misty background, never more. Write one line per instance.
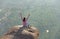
(44, 14)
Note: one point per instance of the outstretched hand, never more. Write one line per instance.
(28, 14)
(21, 15)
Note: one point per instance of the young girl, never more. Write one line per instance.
(25, 20)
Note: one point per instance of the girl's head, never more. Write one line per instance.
(24, 19)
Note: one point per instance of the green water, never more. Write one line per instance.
(44, 14)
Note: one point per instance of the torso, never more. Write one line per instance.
(25, 23)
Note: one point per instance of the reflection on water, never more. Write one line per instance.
(44, 14)
(47, 31)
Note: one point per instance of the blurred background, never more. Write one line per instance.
(44, 14)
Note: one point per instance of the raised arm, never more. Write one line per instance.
(21, 15)
(28, 16)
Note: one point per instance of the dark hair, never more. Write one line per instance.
(24, 19)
